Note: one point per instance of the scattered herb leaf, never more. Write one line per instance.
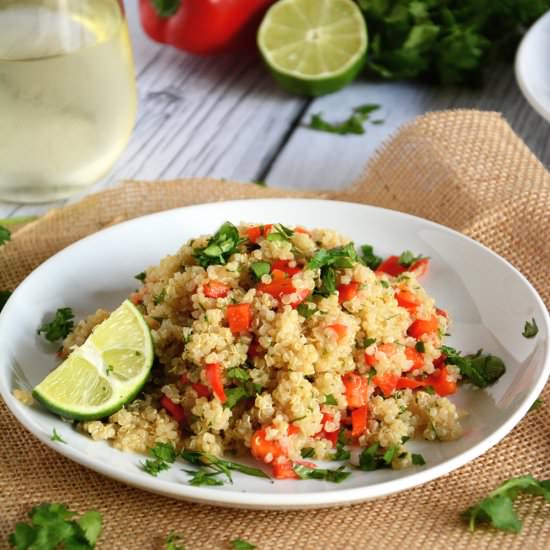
(160, 297)
(530, 330)
(369, 342)
(220, 246)
(334, 476)
(307, 452)
(407, 258)
(330, 399)
(341, 452)
(478, 369)
(163, 455)
(56, 437)
(372, 458)
(260, 268)
(420, 347)
(166, 8)
(140, 276)
(60, 326)
(418, 460)
(238, 373)
(354, 124)
(5, 235)
(369, 258)
(305, 310)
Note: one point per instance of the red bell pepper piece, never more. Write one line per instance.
(388, 349)
(239, 317)
(356, 389)
(407, 300)
(420, 267)
(423, 326)
(409, 383)
(283, 468)
(347, 292)
(254, 233)
(202, 26)
(340, 329)
(387, 383)
(214, 377)
(174, 410)
(438, 380)
(392, 267)
(416, 357)
(215, 289)
(359, 419)
(282, 265)
(201, 389)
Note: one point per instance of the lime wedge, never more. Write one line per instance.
(313, 47)
(103, 374)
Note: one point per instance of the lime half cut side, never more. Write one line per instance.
(103, 374)
(313, 47)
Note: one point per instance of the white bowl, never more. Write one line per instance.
(487, 298)
(533, 66)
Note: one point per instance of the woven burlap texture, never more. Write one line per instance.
(464, 169)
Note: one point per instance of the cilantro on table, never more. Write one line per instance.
(417, 459)
(210, 467)
(446, 41)
(530, 330)
(53, 525)
(5, 235)
(354, 124)
(341, 452)
(56, 437)
(163, 455)
(220, 246)
(60, 326)
(477, 369)
(335, 476)
(4, 297)
(497, 508)
(240, 544)
(369, 258)
(173, 542)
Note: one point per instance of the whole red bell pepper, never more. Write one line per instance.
(203, 26)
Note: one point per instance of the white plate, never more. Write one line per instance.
(533, 66)
(487, 298)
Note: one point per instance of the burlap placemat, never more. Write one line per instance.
(463, 169)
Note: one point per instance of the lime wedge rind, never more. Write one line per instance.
(92, 382)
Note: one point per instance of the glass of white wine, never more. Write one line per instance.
(67, 95)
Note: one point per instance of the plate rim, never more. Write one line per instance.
(283, 500)
(542, 109)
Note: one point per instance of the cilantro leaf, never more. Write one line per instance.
(160, 297)
(420, 346)
(5, 235)
(372, 458)
(369, 342)
(238, 373)
(418, 460)
(260, 269)
(305, 310)
(330, 399)
(407, 258)
(478, 369)
(154, 467)
(172, 542)
(240, 544)
(354, 124)
(334, 476)
(52, 525)
(140, 276)
(369, 258)
(497, 508)
(307, 452)
(164, 451)
(56, 437)
(280, 233)
(4, 297)
(537, 403)
(341, 452)
(530, 330)
(60, 326)
(243, 391)
(220, 247)
(201, 477)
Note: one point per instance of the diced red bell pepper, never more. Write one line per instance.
(283, 468)
(440, 361)
(215, 289)
(359, 419)
(386, 382)
(324, 434)
(262, 448)
(282, 265)
(420, 267)
(347, 292)
(281, 285)
(407, 300)
(174, 410)
(423, 326)
(214, 377)
(340, 329)
(356, 389)
(409, 383)
(254, 233)
(239, 317)
(416, 357)
(388, 349)
(201, 389)
(391, 266)
(438, 380)
(184, 379)
(441, 312)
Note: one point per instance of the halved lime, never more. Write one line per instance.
(313, 47)
(103, 374)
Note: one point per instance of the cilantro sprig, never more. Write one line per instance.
(369, 258)
(354, 124)
(220, 247)
(163, 455)
(478, 369)
(59, 327)
(52, 525)
(497, 508)
(328, 260)
(530, 330)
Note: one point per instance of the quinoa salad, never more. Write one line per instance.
(291, 344)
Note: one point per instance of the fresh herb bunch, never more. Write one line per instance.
(497, 508)
(54, 526)
(59, 327)
(446, 41)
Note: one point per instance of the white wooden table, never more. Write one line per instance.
(225, 117)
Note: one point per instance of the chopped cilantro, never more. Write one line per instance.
(200, 477)
(56, 437)
(140, 276)
(407, 258)
(354, 124)
(160, 297)
(369, 342)
(537, 403)
(53, 526)
(163, 454)
(478, 369)
(260, 269)
(420, 347)
(335, 476)
(305, 310)
(60, 326)
(339, 257)
(341, 452)
(280, 233)
(330, 399)
(369, 258)
(243, 391)
(5, 235)
(240, 544)
(307, 452)
(428, 389)
(372, 458)
(497, 508)
(417, 460)
(238, 373)
(173, 542)
(530, 330)
(224, 243)
(4, 297)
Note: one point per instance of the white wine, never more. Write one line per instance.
(67, 95)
